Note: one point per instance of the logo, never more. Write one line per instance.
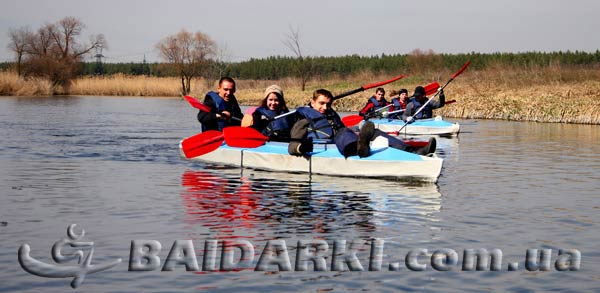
(83, 255)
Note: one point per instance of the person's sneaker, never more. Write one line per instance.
(364, 139)
(429, 148)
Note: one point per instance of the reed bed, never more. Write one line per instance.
(12, 85)
(542, 94)
(126, 85)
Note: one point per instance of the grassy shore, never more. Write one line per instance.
(548, 94)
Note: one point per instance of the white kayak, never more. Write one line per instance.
(433, 126)
(384, 162)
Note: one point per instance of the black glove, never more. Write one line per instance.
(299, 144)
(306, 146)
(442, 98)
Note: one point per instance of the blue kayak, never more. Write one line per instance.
(433, 126)
(384, 162)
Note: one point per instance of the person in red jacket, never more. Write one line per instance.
(374, 103)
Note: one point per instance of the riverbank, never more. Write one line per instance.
(549, 94)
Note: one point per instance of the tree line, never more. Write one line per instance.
(415, 62)
(279, 67)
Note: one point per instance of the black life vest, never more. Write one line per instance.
(221, 106)
(278, 128)
(322, 126)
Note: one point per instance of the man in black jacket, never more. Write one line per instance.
(224, 108)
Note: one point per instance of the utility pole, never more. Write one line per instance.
(99, 70)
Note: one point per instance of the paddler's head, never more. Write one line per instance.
(226, 88)
(419, 93)
(273, 99)
(322, 100)
(379, 94)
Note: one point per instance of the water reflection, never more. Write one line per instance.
(258, 204)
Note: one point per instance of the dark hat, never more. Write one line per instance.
(419, 91)
(403, 91)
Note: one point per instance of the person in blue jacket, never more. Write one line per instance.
(225, 110)
(419, 100)
(398, 103)
(271, 106)
(318, 121)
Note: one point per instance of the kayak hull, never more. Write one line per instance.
(434, 126)
(383, 162)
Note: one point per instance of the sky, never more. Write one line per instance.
(245, 29)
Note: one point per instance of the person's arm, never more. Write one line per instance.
(408, 112)
(299, 145)
(260, 121)
(236, 112)
(208, 117)
(366, 109)
(441, 102)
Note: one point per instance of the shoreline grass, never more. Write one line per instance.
(549, 94)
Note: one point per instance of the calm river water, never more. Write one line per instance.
(111, 166)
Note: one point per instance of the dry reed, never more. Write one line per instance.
(544, 94)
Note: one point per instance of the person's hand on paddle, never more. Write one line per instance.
(385, 114)
(409, 119)
(225, 115)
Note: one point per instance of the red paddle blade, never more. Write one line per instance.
(243, 137)
(461, 70)
(196, 104)
(352, 120)
(202, 143)
(432, 88)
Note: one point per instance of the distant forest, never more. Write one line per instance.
(278, 67)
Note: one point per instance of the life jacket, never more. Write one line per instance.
(221, 106)
(278, 127)
(398, 105)
(377, 104)
(427, 112)
(322, 126)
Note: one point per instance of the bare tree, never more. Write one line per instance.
(304, 65)
(189, 53)
(18, 44)
(220, 64)
(54, 51)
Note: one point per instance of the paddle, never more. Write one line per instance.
(402, 110)
(243, 137)
(202, 143)
(368, 86)
(234, 136)
(456, 74)
(352, 120)
(196, 104)
(204, 108)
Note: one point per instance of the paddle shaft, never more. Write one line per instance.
(440, 90)
(402, 110)
(196, 104)
(368, 86)
(284, 114)
(429, 89)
